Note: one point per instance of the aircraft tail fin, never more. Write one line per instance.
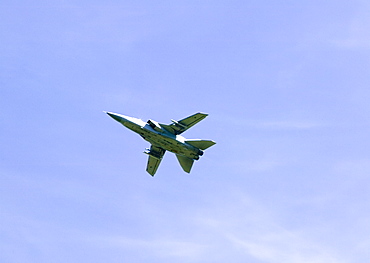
(201, 144)
(185, 162)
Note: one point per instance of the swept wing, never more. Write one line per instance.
(178, 127)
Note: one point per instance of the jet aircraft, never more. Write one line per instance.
(166, 137)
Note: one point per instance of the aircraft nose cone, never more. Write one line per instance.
(114, 116)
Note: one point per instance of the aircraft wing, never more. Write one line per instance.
(155, 158)
(178, 127)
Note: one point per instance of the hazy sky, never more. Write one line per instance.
(285, 84)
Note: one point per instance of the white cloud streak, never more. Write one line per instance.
(240, 230)
(357, 34)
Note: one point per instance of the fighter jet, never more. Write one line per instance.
(166, 137)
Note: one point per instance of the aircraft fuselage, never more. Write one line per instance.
(166, 137)
(154, 134)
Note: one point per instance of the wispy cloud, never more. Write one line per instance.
(282, 246)
(170, 248)
(239, 228)
(296, 125)
(263, 164)
(277, 124)
(357, 33)
(253, 231)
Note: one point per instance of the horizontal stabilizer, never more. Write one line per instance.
(185, 162)
(201, 144)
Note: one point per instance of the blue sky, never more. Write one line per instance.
(285, 84)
